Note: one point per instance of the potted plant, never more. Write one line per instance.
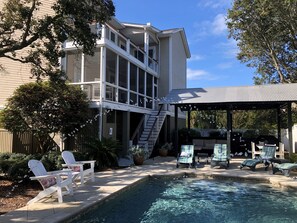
(139, 153)
(163, 151)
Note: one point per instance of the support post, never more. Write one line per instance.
(279, 124)
(229, 128)
(290, 128)
(176, 128)
(189, 120)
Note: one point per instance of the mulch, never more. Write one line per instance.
(14, 195)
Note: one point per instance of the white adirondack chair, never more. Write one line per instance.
(51, 182)
(77, 166)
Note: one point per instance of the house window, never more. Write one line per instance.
(122, 43)
(110, 93)
(92, 67)
(149, 102)
(141, 81)
(123, 96)
(123, 70)
(111, 64)
(133, 77)
(112, 36)
(149, 85)
(141, 102)
(133, 99)
(73, 68)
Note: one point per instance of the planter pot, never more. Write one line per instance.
(138, 160)
(163, 152)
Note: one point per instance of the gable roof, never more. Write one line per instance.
(241, 97)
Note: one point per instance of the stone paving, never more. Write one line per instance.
(108, 183)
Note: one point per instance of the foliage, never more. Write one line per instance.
(45, 108)
(15, 165)
(104, 151)
(137, 150)
(186, 135)
(22, 27)
(52, 160)
(208, 119)
(265, 31)
(293, 157)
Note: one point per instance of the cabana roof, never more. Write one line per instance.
(244, 97)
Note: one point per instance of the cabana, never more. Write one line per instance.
(276, 96)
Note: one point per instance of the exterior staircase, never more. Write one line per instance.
(152, 129)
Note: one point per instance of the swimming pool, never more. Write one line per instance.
(197, 200)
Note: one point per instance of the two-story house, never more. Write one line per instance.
(134, 65)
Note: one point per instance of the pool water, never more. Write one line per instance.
(196, 200)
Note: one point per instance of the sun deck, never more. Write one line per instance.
(109, 183)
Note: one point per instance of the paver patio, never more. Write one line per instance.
(109, 183)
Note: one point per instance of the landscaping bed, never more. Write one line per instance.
(14, 195)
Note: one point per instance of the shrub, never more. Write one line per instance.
(105, 152)
(293, 157)
(15, 165)
(52, 160)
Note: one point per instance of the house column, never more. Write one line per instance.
(102, 90)
(146, 47)
(126, 131)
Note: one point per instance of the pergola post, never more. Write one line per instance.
(176, 128)
(229, 128)
(279, 124)
(290, 128)
(189, 119)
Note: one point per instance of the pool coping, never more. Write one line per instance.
(109, 184)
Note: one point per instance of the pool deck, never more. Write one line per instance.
(109, 183)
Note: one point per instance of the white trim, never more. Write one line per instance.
(170, 64)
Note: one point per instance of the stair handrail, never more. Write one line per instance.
(137, 130)
(156, 118)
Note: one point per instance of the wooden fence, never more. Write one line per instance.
(17, 143)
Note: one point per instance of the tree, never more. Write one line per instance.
(265, 31)
(42, 37)
(45, 109)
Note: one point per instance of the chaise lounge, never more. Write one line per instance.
(266, 155)
(284, 168)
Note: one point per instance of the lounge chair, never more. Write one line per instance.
(78, 166)
(186, 156)
(265, 157)
(284, 168)
(221, 156)
(51, 182)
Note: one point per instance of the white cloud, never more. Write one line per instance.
(214, 4)
(224, 66)
(196, 74)
(215, 27)
(218, 25)
(230, 48)
(195, 57)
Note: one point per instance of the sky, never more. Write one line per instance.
(213, 61)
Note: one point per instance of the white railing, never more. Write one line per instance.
(91, 88)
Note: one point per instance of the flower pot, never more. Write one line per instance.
(163, 152)
(138, 160)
